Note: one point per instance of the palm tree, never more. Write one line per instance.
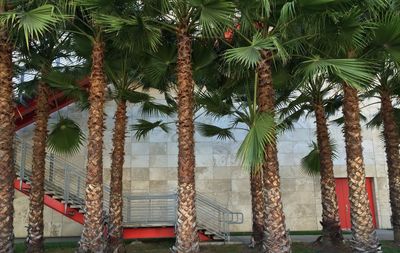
(385, 89)
(123, 74)
(7, 174)
(92, 234)
(228, 102)
(392, 142)
(344, 35)
(265, 25)
(94, 21)
(385, 36)
(12, 22)
(183, 18)
(312, 98)
(39, 58)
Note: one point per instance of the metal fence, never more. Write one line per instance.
(66, 182)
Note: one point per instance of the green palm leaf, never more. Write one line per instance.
(144, 127)
(310, 163)
(66, 137)
(251, 151)
(355, 72)
(208, 130)
(249, 56)
(150, 108)
(214, 15)
(32, 23)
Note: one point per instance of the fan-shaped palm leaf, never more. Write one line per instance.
(249, 56)
(310, 163)
(251, 151)
(32, 23)
(65, 137)
(355, 72)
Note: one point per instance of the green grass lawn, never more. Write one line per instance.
(162, 246)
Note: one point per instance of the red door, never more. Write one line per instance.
(342, 191)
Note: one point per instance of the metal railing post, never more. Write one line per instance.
(175, 209)
(22, 164)
(51, 167)
(128, 210)
(78, 190)
(67, 175)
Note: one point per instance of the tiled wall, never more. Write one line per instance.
(150, 166)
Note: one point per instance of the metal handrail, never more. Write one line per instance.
(66, 181)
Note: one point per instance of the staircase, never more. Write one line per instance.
(145, 215)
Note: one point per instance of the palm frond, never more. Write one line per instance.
(65, 137)
(310, 163)
(32, 23)
(133, 33)
(150, 108)
(249, 56)
(214, 16)
(67, 83)
(387, 36)
(215, 103)
(144, 127)
(355, 72)
(251, 151)
(135, 97)
(209, 130)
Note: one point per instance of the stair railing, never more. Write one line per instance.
(66, 181)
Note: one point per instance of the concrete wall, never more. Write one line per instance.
(150, 166)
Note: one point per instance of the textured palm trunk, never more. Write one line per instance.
(7, 173)
(36, 196)
(276, 238)
(331, 231)
(257, 206)
(92, 235)
(392, 141)
(363, 231)
(187, 240)
(115, 240)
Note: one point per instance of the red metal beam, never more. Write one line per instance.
(54, 204)
(24, 114)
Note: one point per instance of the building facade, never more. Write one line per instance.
(151, 167)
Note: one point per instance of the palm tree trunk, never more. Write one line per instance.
(276, 238)
(7, 173)
(257, 206)
(392, 141)
(363, 231)
(92, 235)
(187, 240)
(36, 197)
(115, 240)
(330, 212)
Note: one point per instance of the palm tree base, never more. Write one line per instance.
(115, 245)
(331, 233)
(396, 234)
(34, 242)
(372, 246)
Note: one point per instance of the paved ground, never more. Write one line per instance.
(385, 235)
